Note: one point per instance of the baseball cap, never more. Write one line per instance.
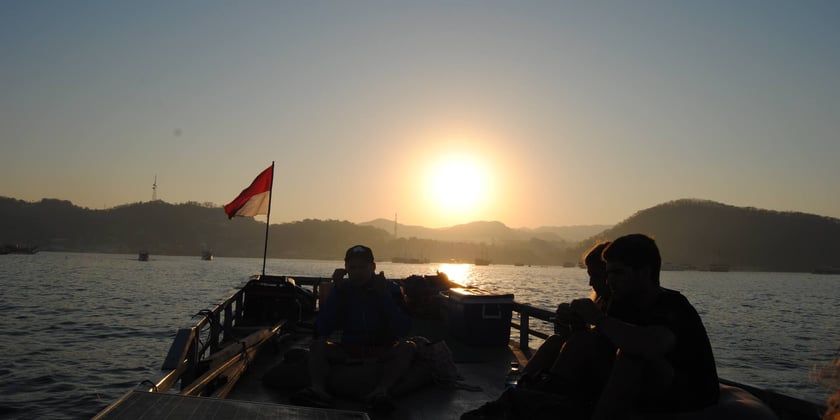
(359, 252)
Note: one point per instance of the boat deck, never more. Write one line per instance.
(482, 369)
(155, 405)
(267, 382)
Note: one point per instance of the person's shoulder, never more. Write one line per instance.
(677, 303)
(672, 298)
(671, 294)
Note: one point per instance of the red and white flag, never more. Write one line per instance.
(255, 199)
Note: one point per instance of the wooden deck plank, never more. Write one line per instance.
(137, 405)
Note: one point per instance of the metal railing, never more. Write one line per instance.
(194, 344)
(217, 344)
(526, 312)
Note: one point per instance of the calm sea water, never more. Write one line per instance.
(79, 330)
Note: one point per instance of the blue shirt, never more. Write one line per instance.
(365, 316)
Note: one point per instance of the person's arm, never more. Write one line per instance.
(567, 318)
(648, 342)
(325, 322)
(390, 295)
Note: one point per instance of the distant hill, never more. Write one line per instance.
(163, 228)
(701, 233)
(489, 232)
(571, 233)
(693, 233)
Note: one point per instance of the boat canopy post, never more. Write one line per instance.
(268, 217)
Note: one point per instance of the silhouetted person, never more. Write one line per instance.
(567, 320)
(663, 360)
(368, 310)
(647, 353)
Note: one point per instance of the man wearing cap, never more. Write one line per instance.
(368, 309)
(646, 354)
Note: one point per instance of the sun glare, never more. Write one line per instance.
(458, 185)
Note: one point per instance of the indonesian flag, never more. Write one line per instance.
(255, 199)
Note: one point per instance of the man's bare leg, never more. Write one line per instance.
(585, 357)
(395, 363)
(630, 378)
(544, 357)
(322, 354)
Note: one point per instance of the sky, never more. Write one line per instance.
(531, 113)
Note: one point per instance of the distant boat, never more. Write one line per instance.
(720, 268)
(482, 261)
(143, 256)
(18, 249)
(408, 260)
(669, 266)
(207, 255)
(568, 264)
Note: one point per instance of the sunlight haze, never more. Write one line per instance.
(528, 113)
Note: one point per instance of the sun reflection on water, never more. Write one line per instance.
(463, 274)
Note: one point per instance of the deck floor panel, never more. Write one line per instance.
(139, 405)
(481, 367)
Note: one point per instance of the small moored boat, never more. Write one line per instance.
(18, 249)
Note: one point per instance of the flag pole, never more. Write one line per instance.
(268, 217)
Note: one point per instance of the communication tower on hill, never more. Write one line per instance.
(154, 189)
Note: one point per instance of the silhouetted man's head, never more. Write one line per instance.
(358, 261)
(633, 264)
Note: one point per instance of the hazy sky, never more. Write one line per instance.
(535, 113)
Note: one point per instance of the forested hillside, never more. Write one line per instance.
(701, 234)
(693, 234)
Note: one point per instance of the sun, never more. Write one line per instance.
(458, 184)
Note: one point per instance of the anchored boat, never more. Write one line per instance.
(228, 364)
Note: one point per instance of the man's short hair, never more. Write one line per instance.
(637, 251)
(359, 252)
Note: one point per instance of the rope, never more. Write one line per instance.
(154, 386)
(245, 354)
(211, 321)
(208, 314)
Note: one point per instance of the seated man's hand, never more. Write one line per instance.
(338, 276)
(568, 317)
(587, 309)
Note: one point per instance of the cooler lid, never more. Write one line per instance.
(470, 293)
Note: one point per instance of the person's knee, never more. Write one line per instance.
(588, 345)
(323, 351)
(404, 349)
(554, 342)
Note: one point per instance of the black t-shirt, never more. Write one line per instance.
(695, 382)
